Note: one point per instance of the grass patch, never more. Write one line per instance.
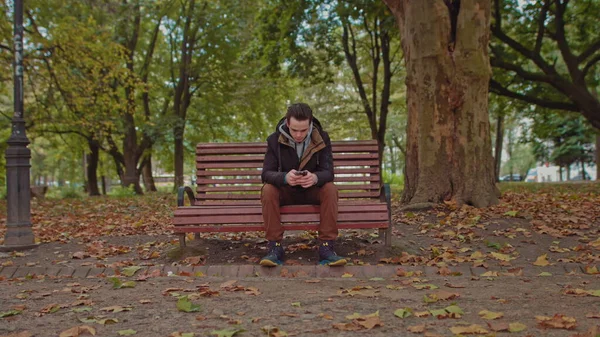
(554, 187)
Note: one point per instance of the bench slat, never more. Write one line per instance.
(260, 228)
(286, 218)
(256, 202)
(291, 209)
(211, 181)
(260, 158)
(256, 164)
(246, 196)
(233, 172)
(238, 188)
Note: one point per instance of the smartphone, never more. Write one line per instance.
(301, 173)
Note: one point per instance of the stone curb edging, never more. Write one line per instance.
(293, 271)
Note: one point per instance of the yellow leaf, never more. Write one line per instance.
(502, 257)
(541, 261)
(471, 329)
(516, 327)
(486, 314)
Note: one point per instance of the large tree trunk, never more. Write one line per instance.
(598, 157)
(92, 159)
(449, 153)
(149, 184)
(499, 140)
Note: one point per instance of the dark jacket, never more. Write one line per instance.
(281, 157)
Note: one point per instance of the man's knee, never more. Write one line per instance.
(329, 190)
(269, 192)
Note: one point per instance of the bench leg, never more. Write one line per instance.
(388, 236)
(196, 236)
(181, 240)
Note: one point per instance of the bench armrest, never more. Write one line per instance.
(181, 196)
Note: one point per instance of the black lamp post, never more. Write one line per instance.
(19, 234)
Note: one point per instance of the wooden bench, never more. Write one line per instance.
(228, 189)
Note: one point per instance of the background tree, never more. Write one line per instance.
(547, 53)
(448, 146)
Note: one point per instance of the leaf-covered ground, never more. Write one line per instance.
(527, 267)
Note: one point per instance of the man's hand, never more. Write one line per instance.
(305, 181)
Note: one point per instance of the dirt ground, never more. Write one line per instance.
(559, 298)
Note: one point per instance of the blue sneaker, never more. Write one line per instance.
(275, 255)
(327, 255)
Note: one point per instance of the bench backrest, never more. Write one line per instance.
(227, 172)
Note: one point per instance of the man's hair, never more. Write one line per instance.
(300, 111)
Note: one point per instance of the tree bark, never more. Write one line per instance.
(149, 184)
(499, 141)
(598, 157)
(449, 153)
(183, 92)
(92, 159)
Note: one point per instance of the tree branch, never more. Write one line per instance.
(531, 76)
(589, 52)
(563, 45)
(541, 28)
(498, 89)
(590, 64)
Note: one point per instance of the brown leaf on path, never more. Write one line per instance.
(346, 326)
(450, 285)
(444, 271)
(498, 326)
(468, 330)
(80, 255)
(593, 315)
(369, 322)
(144, 301)
(558, 321)
(443, 295)
(416, 328)
(252, 291)
(78, 331)
(228, 285)
(591, 270)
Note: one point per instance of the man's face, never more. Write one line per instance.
(298, 129)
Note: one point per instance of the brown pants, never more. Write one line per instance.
(273, 197)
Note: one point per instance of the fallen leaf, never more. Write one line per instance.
(127, 332)
(557, 321)
(226, 332)
(516, 327)
(468, 330)
(416, 328)
(541, 261)
(185, 305)
(78, 331)
(498, 326)
(130, 271)
(403, 313)
(486, 314)
(115, 308)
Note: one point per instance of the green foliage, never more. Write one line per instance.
(551, 188)
(122, 192)
(65, 192)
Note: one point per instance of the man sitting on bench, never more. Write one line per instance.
(298, 169)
